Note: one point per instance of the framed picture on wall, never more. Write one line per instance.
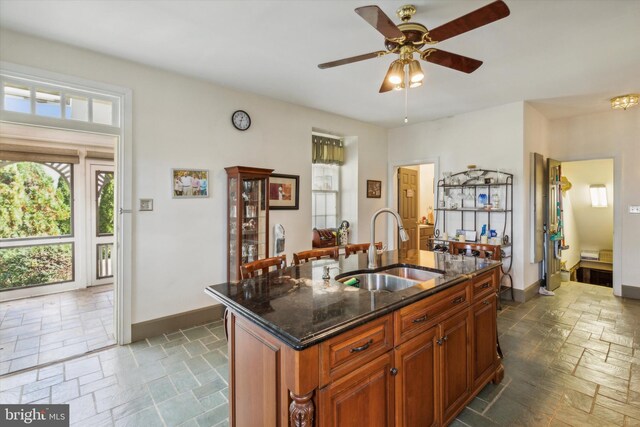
(189, 183)
(284, 191)
(374, 189)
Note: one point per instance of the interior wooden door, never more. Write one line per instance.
(417, 381)
(554, 225)
(408, 198)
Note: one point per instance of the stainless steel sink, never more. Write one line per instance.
(380, 282)
(412, 273)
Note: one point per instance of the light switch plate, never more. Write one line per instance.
(634, 209)
(146, 204)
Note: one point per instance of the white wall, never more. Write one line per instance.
(490, 138)
(426, 189)
(612, 134)
(349, 187)
(536, 140)
(593, 226)
(180, 122)
(571, 234)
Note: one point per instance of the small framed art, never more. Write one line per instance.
(284, 191)
(374, 189)
(190, 183)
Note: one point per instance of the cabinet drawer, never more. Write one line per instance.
(426, 232)
(342, 354)
(483, 285)
(413, 319)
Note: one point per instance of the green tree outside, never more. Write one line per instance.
(31, 205)
(105, 206)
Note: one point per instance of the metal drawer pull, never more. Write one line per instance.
(362, 347)
(420, 319)
(485, 285)
(439, 341)
(486, 302)
(394, 371)
(457, 300)
(446, 337)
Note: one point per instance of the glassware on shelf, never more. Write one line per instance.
(447, 178)
(495, 200)
(250, 211)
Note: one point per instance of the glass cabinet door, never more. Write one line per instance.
(233, 226)
(248, 217)
(253, 220)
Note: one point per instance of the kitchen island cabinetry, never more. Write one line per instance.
(414, 359)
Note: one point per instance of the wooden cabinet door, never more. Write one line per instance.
(484, 342)
(455, 354)
(417, 381)
(363, 397)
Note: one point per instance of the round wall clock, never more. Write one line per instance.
(241, 120)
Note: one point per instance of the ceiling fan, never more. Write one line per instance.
(408, 38)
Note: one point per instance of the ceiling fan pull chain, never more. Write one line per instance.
(406, 96)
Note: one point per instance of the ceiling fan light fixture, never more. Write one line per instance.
(623, 102)
(396, 72)
(415, 84)
(415, 71)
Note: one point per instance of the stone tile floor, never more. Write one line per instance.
(173, 379)
(570, 360)
(43, 329)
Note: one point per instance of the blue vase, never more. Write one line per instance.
(482, 199)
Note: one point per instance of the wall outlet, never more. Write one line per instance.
(146, 204)
(635, 209)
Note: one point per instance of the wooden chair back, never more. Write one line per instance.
(359, 247)
(252, 269)
(313, 254)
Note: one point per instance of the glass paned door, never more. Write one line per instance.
(102, 223)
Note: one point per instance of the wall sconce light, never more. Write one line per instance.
(598, 196)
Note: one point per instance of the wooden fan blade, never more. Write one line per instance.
(451, 60)
(352, 59)
(386, 85)
(380, 21)
(483, 16)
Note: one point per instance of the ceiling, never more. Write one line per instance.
(568, 56)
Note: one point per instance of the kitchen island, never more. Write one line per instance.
(307, 351)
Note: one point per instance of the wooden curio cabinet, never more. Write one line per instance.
(247, 217)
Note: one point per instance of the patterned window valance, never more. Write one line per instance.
(328, 151)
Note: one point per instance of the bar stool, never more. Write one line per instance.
(261, 266)
(359, 248)
(313, 254)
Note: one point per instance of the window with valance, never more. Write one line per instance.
(328, 151)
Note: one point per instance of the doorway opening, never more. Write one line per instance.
(57, 198)
(588, 192)
(415, 196)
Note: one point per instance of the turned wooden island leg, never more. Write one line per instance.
(301, 410)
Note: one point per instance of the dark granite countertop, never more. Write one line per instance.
(301, 309)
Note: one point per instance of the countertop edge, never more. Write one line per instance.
(345, 326)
